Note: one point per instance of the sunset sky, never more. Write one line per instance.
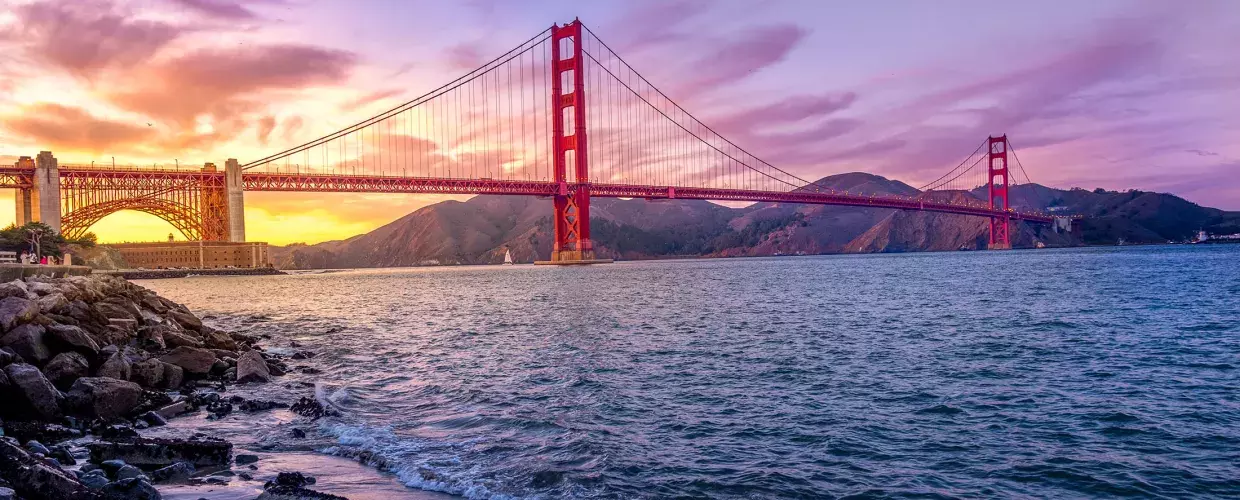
(1100, 93)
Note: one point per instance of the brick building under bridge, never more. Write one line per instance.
(194, 254)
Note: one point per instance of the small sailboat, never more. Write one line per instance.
(507, 257)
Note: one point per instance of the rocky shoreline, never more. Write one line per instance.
(86, 362)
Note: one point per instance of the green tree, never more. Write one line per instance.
(40, 239)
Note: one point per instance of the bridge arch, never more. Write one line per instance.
(186, 219)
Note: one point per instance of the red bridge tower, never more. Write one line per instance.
(997, 186)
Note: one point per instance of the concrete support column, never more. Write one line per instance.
(23, 199)
(45, 199)
(235, 200)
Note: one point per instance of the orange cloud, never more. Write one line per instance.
(64, 127)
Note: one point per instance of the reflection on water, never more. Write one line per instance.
(1092, 372)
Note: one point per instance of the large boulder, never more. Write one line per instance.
(114, 309)
(71, 338)
(198, 450)
(28, 342)
(173, 377)
(36, 478)
(40, 288)
(216, 339)
(16, 310)
(66, 367)
(185, 319)
(15, 288)
(194, 360)
(34, 394)
(147, 373)
(8, 356)
(151, 337)
(53, 302)
(251, 367)
(103, 397)
(174, 338)
(116, 366)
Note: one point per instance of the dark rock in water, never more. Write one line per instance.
(294, 479)
(216, 339)
(218, 410)
(103, 397)
(147, 373)
(65, 368)
(31, 477)
(277, 368)
(71, 338)
(35, 396)
(298, 433)
(199, 450)
(114, 367)
(173, 409)
(111, 467)
(311, 409)
(128, 472)
(251, 367)
(16, 310)
(218, 368)
(7, 493)
(244, 459)
(116, 432)
(40, 431)
(180, 471)
(130, 489)
(192, 359)
(36, 447)
(303, 355)
(62, 455)
(260, 405)
(153, 419)
(94, 480)
(28, 342)
(186, 319)
(294, 493)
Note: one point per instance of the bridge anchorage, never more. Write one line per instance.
(560, 116)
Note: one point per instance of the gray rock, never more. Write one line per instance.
(130, 489)
(36, 447)
(62, 455)
(65, 368)
(185, 319)
(28, 342)
(40, 288)
(201, 451)
(34, 394)
(175, 338)
(16, 310)
(180, 471)
(53, 302)
(243, 459)
(128, 472)
(95, 480)
(174, 376)
(193, 360)
(103, 397)
(33, 478)
(115, 308)
(216, 339)
(7, 493)
(111, 466)
(71, 338)
(147, 373)
(153, 419)
(251, 367)
(173, 409)
(115, 367)
(9, 356)
(152, 337)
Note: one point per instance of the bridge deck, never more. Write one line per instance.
(12, 177)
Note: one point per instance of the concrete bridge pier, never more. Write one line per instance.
(45, 195)
(234, 200)
(23, 197)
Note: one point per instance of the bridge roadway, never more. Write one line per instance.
(153, 179)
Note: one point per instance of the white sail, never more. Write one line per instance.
(507, 258)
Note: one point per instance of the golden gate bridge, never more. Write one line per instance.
(560, 116)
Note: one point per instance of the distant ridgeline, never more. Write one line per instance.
(480, 230)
